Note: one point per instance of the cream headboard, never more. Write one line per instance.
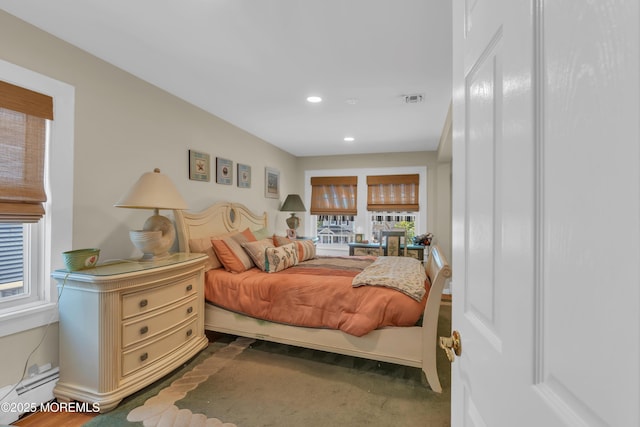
(219, 218)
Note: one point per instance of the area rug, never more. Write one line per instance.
(246, 383)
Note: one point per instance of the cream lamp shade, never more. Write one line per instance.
(153, 191)
(293, 203)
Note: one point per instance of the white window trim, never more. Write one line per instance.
(58, 220)
(362, 224)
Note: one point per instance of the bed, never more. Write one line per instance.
(413, 346)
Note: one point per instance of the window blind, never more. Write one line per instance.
(334, 195)
(11, 249)
(23, 121)
(393, 193)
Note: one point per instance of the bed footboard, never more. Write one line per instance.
(393, 345)
(438, 271)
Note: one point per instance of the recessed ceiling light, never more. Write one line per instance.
(314, 99)
(349, 139)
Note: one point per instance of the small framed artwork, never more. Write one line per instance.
(199, 168)
(291, 233)
(271, 183)
(224, 171)
(244, 176)
(359, 237)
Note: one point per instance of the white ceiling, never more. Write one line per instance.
(253, 63)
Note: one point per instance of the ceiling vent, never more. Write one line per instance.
(413, 99)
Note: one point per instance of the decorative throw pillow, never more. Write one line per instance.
(204, 246)
(306, 250)
(256, 251)
(231, 254)
(247, 234)
(281, 240)
(280, 258)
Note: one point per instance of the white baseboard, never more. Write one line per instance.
(28, 395)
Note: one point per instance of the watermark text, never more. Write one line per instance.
(53, 406)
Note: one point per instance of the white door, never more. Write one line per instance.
(546, 213)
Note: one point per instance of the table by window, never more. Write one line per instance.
(413, 251)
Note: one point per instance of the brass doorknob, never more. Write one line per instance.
(452, 345)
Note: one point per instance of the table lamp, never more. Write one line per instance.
(153, 191)
(293, 203)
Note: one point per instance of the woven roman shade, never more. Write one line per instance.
(23, 123)
(334, 195)
(393, 193)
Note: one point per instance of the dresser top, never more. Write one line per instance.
(117, 267)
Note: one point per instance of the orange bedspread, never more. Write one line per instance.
(315, 293)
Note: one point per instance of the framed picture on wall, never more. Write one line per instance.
(224, 171)
(244, 176)
(199, 168)
(271, 183)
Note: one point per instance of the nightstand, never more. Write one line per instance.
(127, 324)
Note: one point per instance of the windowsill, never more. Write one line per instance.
(333, 250)
(28, 317)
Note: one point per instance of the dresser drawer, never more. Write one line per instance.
(143, 327)
(136, 303)
(135, 359)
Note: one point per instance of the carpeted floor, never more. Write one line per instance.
(256, 383)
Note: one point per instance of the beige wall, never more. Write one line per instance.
(443, 199)
(124, 127)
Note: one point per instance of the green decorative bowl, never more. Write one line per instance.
(80, 258)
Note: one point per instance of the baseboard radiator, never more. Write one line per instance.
(28, 395)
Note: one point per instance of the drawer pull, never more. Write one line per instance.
(143, 303)
(144, 330)
(189, 332)
(144, 356)
(189, 288)
(189, 310)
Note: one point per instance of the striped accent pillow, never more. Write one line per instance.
(306, 250)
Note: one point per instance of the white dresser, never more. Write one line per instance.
(127, 324)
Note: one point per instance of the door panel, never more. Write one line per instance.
(483, 92)
(589, 223)
(546, 213)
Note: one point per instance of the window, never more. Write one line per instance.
(389, 193)
(23, 138)
(11, 260)
(34, 228)
(393, 200)
(335, 230)
(334, 195)
(334, 201)
(393, 220)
